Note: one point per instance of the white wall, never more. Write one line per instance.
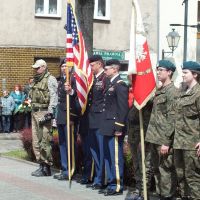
(19, 26)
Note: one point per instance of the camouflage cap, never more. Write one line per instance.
(39, 63)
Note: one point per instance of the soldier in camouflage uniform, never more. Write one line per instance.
(134, 142)
(187, 136)
(43, 95)
(160, 132)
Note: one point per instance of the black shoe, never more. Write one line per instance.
(102, 191)
(39, 170)
(111, 192)
(89, 185)
(96, 187)
(47, 169)
(85, 181)
(61, 177)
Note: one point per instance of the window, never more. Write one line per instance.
(102, 9)
(48, 8)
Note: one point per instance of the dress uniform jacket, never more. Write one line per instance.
(161, 126)
(61, 107)
(115, 107)
(96, 101)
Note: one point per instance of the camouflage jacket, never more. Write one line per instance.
(187, 126)
(133, 126)
(161, 126)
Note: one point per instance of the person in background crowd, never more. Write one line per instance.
(43, 97)
(160, 132)
(27, 87)
(61, 120)
(27, 113)
(1, 126)
(133, 130)
(8, 105)
(18, 118)
(112, 127)
(187, 136)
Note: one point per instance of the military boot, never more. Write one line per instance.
(166, 198)
(37, 171)
(47, 170)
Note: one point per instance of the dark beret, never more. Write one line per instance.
(62, 61)
(95, 58)
(112, 62)
(167, 64)
(191, 65)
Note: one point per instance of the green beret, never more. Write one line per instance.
(167, 64)
(191, 65)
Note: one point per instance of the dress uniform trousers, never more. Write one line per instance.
(63, 145)
(88, 168)
(96, 148)
(114, 161)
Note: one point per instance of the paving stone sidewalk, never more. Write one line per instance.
(17, 183)
(9, 142)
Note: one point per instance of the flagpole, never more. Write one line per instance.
(143, 155)
(68, 138)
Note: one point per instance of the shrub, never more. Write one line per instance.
(26, 138)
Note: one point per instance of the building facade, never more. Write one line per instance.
(35, 29)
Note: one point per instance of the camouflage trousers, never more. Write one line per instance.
(41, 137)
(135, 148)
(164, 172)
(187, 166)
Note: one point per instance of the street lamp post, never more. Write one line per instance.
(173, 39)
(185, 36)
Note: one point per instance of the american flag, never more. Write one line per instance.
(77, 56)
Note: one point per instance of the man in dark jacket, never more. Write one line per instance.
(115, 109)
(64, 88)
(94, 112)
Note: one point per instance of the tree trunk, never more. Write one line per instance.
(84, 11)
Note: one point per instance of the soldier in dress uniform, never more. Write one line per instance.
(95, 108)
(64, 88)
(115, 110)
(160, 132)
(187, 137)
(43, 96)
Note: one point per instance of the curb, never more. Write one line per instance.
(27, 162)
(9, 136)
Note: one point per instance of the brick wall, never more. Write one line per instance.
(15, 63)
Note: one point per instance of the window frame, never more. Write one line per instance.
(107, 11)
(46, 10)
